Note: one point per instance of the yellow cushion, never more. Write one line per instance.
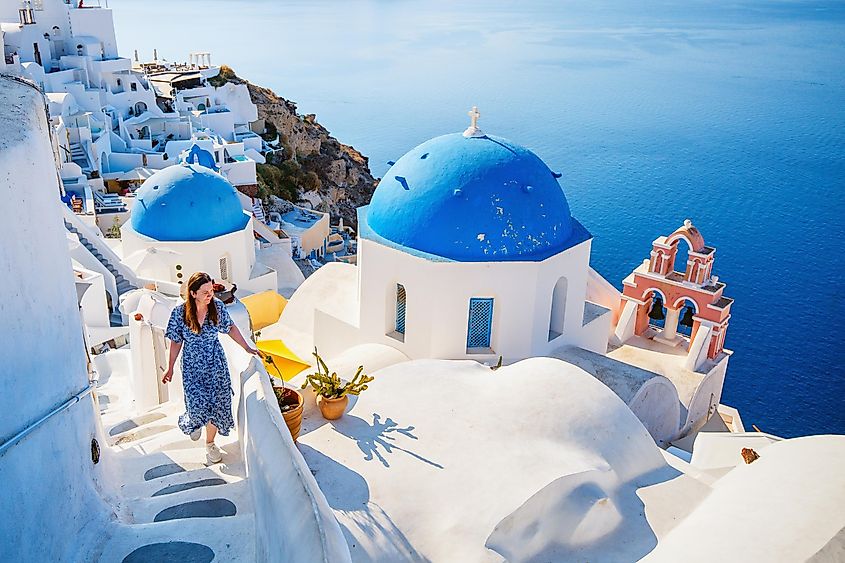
(264, 308)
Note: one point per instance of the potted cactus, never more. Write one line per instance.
(290, 402)
(332, 392)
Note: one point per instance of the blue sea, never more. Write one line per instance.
(731, 113)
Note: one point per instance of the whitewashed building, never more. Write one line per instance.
(468, 249)
(188, 218)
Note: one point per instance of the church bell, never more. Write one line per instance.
(687, 319)
(656, 313)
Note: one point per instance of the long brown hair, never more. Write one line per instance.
(196, 281)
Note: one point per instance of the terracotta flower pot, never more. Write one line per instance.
(332, 409)
(290, 403)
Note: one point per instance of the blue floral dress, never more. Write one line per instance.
(205, 373)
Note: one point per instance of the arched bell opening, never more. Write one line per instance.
(686, 321)
(657, 310)
(682, 250)
(651, 313)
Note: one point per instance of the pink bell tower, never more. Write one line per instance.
(696, 285)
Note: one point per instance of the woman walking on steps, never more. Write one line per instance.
(193, 329)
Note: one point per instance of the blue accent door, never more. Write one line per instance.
(480, 322)
(400, 308)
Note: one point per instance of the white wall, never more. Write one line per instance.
(95, 23)
(438, 295)
(222, 123)
(236, 97)
(42, 350)
(201, 256)
(95, 310)
(239, 173)
(293, 520)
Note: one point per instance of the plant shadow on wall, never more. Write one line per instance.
(378, 439)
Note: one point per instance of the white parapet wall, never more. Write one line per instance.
(293, 520)
(50, 504)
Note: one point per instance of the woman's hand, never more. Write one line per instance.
(168, 375)
(253, 351)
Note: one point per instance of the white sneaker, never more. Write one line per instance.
(195, 435)
(213, 453)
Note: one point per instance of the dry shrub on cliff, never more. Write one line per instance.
(226, 75)
(279, 180)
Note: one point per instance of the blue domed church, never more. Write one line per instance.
(189, 218)
(468, 249)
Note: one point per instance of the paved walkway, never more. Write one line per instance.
(169, 505)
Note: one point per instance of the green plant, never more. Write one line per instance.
(114, 230)
(498, 364)
(331, 386)
(286, 397)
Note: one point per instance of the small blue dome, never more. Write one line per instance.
(473, 199)
(187, 202)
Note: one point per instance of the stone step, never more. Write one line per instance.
(143, 432)
(132, 423)
(171, 469)
(171, 551)
(178, 488)
(207, 508)
(115, 320)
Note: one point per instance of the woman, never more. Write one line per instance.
(194, 326)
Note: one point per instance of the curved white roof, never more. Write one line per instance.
(785, 506)
(448, 460)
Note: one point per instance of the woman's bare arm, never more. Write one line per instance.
(175, 347)
(236, 335)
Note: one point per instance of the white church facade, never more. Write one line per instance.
(468, 250)
(494, 265)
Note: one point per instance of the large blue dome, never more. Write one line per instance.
(473, 199)
(187, 202)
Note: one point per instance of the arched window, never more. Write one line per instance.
(557, 316)
(480, 324)
(400, 308)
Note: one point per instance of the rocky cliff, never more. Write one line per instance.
(312, 166)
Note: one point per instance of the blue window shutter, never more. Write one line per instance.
(400, 308)
(480, 322)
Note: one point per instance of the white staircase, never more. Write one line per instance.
(80, 157)
(258, 211)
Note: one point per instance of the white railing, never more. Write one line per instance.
(293, 519)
